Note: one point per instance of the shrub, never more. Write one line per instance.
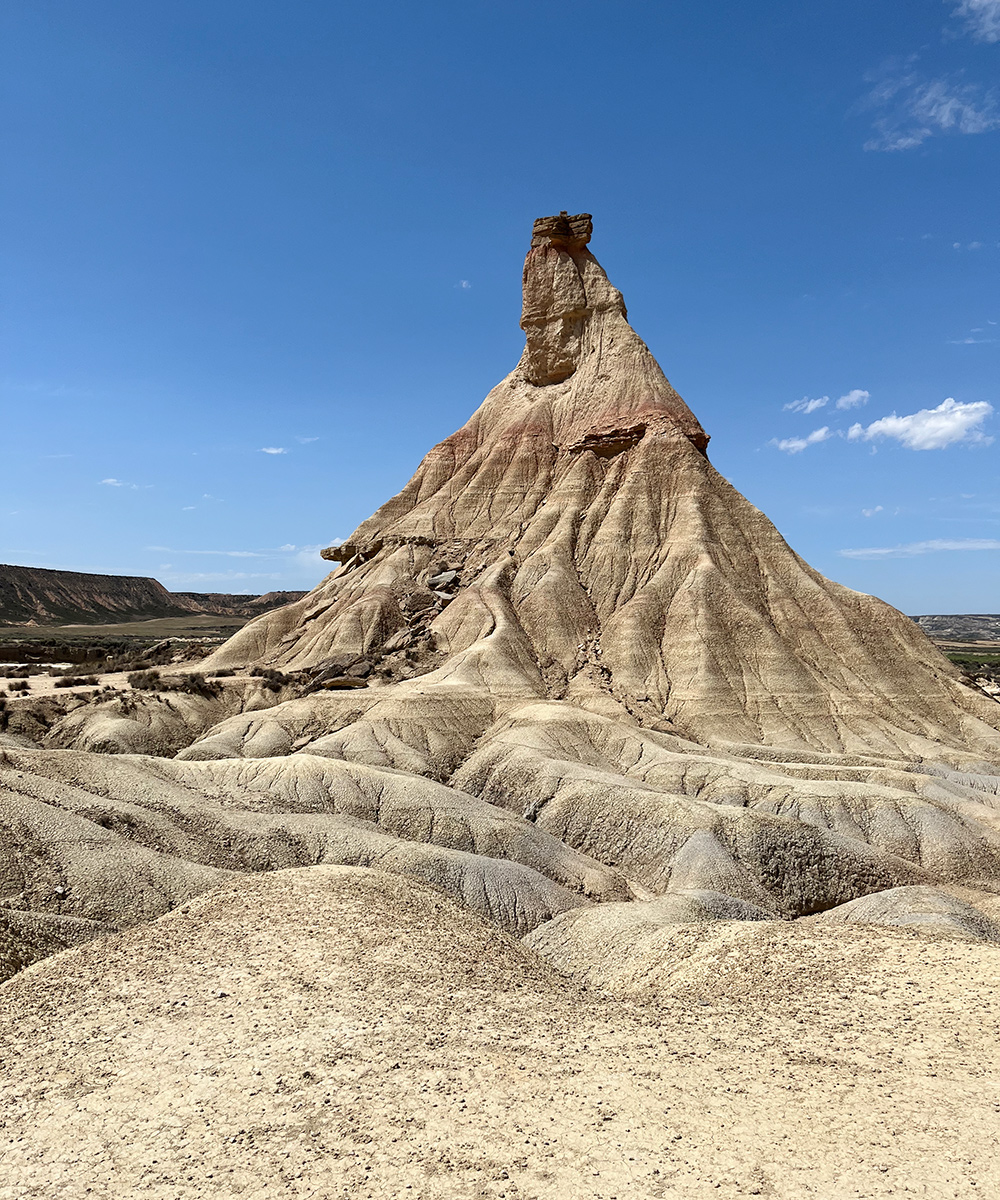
(145, 681)
(194, 684)
(68, 681)
(273, 680)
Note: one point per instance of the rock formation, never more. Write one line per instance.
(573, 542)
(569, 677)
(38, 596)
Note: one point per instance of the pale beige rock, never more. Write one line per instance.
(925, 908)
(600, 556)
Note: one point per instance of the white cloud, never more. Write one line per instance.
(119, 483)
(805, 405)
(930, 428)
(982, 18)
(463, 284)
(852, 399)
(302, 554)
(306, 440)
(308, 557)
(218, 577)
(930, 547)
(914, 108)
(188, 508)
(971, 341)
(273, 450)
(870, 512)
(219, 553)
(794, 445)
(45, 388)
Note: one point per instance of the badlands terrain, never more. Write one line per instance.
(572, 838)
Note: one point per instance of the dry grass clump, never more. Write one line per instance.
(194, 683)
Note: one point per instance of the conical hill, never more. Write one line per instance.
(572, 540)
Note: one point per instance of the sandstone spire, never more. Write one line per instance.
(556, 300)
(592, 552)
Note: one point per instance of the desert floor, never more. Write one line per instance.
(338, 1032)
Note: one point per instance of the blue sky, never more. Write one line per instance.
(238, 228)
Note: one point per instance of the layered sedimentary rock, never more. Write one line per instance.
(38, 596)
(573, 542)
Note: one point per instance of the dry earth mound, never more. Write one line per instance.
(44, 597)
(341, 1033)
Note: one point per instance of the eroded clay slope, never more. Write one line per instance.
(573, 541)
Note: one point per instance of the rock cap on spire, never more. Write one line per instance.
(564, 231)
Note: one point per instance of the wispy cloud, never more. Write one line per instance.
(463, 285)
(930, 428)
(972, 340)
(216, 577)
(273, 450)
(930, 547)
(870, 512)
(120, 483)
(805, 405)
(981, 17)
(795, 445)
(308, 557)
(306, 440)
(42, 387)
(215, 553)
(304, 554)
(912, 108)
(852, 399)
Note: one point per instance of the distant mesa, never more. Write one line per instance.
(38, 596)
(969, 627)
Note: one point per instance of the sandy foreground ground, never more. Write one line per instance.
(338, 1032)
